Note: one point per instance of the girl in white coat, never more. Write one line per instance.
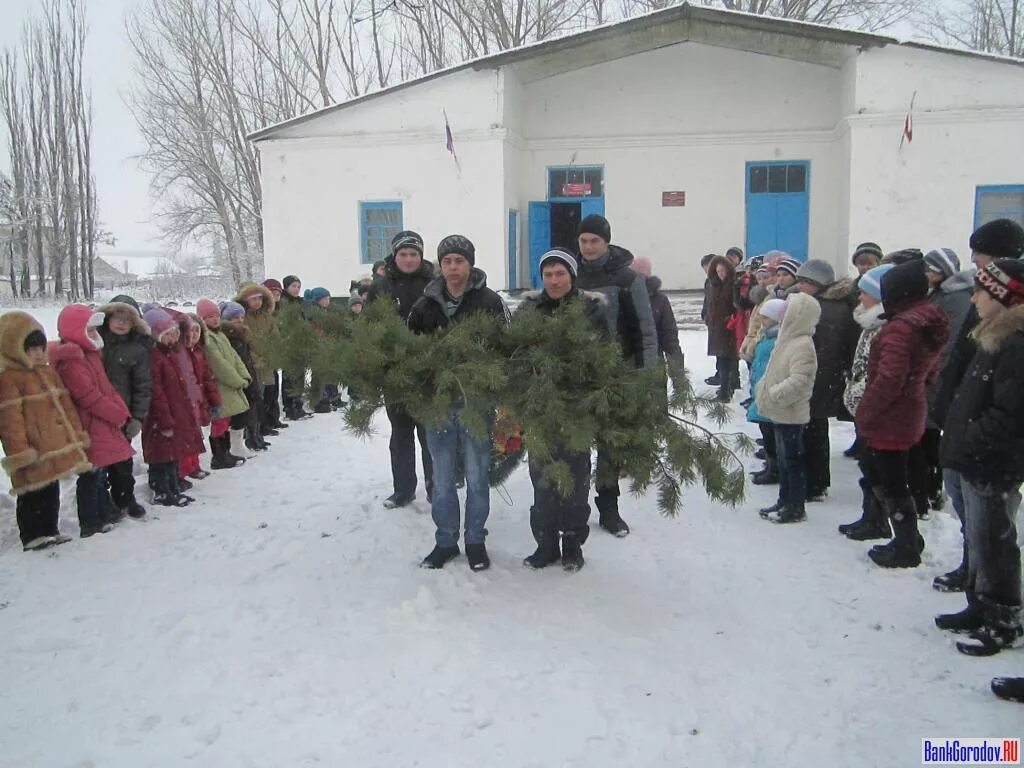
(784, 397)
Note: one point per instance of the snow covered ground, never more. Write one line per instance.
(282, 621)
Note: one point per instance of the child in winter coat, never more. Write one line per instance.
(227, 443)
(784, 396)
(232, 322)
(103, 413)
(891, 415)
(259, 304)
(43, 439)
(170, 432)
(870, 316)
(329, 396)
(983, 454)
(126, 345)
(208, 401)
(769, 315)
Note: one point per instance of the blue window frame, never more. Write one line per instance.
(999, 201)
(379, 222)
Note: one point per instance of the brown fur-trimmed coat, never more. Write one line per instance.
(39, 426)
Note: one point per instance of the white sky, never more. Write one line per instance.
(123, 187)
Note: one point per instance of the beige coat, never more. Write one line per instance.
(784, 394)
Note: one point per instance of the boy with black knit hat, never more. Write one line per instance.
(406, 274)
(983, 447)
(605, 268)
(998, 239)
(459, 291)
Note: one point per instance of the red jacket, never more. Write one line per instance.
(101, 410)
(171, 411)
(903, 362)
(207, 383)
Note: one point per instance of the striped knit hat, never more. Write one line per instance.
(942, 260)
(871, 281)
(1003, 280)
(865, 249)
(789, 266)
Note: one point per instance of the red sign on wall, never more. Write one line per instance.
(673, 199)
(581, 189)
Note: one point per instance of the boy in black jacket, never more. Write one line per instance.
(983, 447)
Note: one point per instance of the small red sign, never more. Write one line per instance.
(673, 199)
(581, 189)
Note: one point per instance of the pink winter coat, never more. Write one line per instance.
(171, 411)
(101, 410)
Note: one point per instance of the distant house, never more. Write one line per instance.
(693, 129)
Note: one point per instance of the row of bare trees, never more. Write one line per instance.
(48, 207)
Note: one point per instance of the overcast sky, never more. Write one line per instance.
(125, 205)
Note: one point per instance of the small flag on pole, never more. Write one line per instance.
(450, 142)
(908, 124)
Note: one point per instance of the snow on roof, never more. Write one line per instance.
(679, 12)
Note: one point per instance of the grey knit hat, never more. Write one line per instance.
(942, 260)
(816, 271)
(457, 244)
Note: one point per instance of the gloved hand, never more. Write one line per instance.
(132, 429)
(167, 432)
(215, 412)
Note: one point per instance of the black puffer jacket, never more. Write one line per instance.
(835, 341)
(664, 322)
(429, 313)
(593, 304)
(126, 360)
(961, 354)
(629, 308)
(984, 429)
(405, 289)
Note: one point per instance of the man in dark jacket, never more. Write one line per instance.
(291, 396)
(664, 318)
(835, 341)
(459, 291)
(406, 274)
(551, 512)
(983, 447)
(604, 268)
(126, 348)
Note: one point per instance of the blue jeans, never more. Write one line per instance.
(954, 489)
(993, 556)
(446, 442)
(789, 444)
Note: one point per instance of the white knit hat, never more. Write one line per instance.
(773, 309)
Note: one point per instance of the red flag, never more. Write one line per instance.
(450, 143)
(908, 124)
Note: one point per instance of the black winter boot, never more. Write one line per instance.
(970, 619)
(477, 556)
(222, 456)
(873, 523)
(439, 557)
(572, 553)
(769, 474)
(547, 552)
(608, 515)
(1009, 688)
(904, 551)
(789, 513)
(955, 580)
(765, 512)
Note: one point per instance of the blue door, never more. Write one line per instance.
(778, 207)
(540, 238)
(513, 249)
(591, 205)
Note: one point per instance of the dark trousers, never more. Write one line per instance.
(607, 481)
(163, 477)
(789, 447)
(291, 395)
(121, 480)
(768, 435)
(271, 406)
(37, 513)
(887, 472)
(728, 371)
(93, 499)
(817, 458)
(553, 513)
(404, 431)
(240, 420)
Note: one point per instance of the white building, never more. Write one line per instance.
(780, 134)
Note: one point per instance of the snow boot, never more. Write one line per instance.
(135, 510)
(1009, 688)
(790, 513)
(297, 413)
(183, 485)
(955, 580)
(572, 553)
(873, 523)
(394, 501)
(323, 407)
(199, 474)
(477, 556)
(268, 431)
(222, 458)
(608, 516)
(904, 551)
(714, 381)
(761, 455)
(238, 446)
(85, 533)
(439, 557)
(769, 474)
(547, 552)
(970, 619)
(991, 639)
(39, 542)
(764, 512)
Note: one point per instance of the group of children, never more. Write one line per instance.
(74, 407)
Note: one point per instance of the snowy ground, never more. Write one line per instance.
(283, 621)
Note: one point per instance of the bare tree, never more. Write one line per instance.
(992, 26)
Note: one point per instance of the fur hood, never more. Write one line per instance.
(653, 285)
(713, 271)
(139, 325)
(240, 332)
(14, 329)
(249, 289)
(840, 290)
(869, 319)
(538, 296)
(62, 351)
(801, 318)
(991, 334)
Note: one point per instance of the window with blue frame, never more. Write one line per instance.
(576, 181)
(999, 201)
(379, 222)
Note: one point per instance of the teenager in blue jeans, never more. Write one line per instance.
(459, 291)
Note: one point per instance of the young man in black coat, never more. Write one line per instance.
(605, 268)
(551, 513)
(406, 274)
(458, 292)
(983, 449)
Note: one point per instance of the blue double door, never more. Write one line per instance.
(778, 207)
(553, 224)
